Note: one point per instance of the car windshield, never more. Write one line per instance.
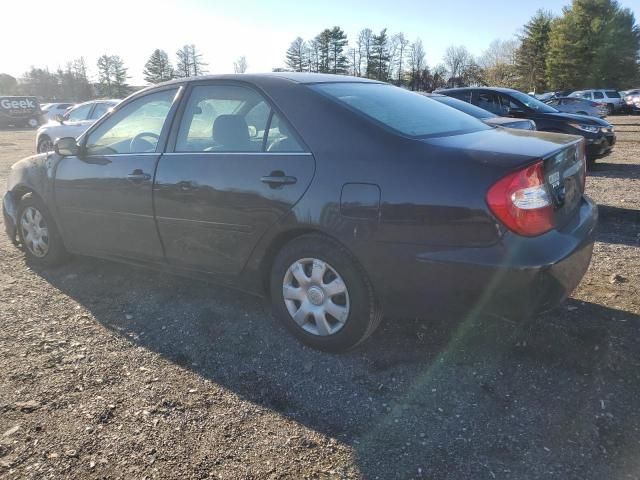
(465, 107)
(532, 103)
(405, 112)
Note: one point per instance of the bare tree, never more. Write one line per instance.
(416, 62)
(364, 45)
(457, 59)
(240, 65)
(499, 63)
(403, 44)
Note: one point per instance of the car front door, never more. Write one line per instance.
(104, 195)
(233, 167)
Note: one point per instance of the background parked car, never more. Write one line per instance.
(578, 105)
(19, 111)
(599, 134)
(50, 111)
(632, 99)
(484, 115)
(611, 97)
(73, 123)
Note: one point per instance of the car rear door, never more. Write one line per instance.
(104, 195)
(233, 167)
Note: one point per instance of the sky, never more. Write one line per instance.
(51, 33)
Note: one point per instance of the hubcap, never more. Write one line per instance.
(35, 232)
(316, 296)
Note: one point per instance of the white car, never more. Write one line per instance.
(50, 111)
(73, 123)
(612, 98)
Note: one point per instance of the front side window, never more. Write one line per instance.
(135, 128)
(598, 95)
(408, 113)
(79, 113)
(489, 101)
(227, 118)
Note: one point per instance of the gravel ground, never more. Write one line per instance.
(109, 371)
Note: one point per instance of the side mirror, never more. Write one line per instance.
(253, 132)
(60, 119)
(516, 112)
(67, 147)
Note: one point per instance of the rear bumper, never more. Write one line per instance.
(9, 212)
(516, 277)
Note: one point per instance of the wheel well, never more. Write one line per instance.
(274, 248)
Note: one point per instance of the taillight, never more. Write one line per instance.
(521, 201)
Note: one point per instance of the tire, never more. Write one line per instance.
(357, 306)
(44, 144)
(32, 211)
(610, 109)
(32, 123)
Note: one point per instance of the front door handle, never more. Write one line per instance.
(138, 176)
(278, 179)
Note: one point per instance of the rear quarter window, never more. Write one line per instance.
(405, 112)
(612, 94)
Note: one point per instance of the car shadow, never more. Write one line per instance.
(448, 397)
(619, 225)
(614, 170)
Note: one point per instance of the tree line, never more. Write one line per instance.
(73, 83)
(592, 44)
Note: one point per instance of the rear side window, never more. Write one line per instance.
(598, 95)
(79, 113)
(99, 110)
(612, 94)
(229, 118)
(408, 113)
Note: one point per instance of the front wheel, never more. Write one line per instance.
(321, 294)
(45, 144)
(38, 233)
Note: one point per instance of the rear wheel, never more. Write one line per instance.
(38, 233)
(610, 109)
(321, 294)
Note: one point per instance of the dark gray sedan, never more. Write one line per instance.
(338, 198)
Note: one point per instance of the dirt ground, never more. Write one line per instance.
(109, 371)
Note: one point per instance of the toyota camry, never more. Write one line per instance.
(338, 198)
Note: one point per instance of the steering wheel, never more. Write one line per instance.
(141, 137)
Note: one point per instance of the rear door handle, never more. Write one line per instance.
(138, 176)
(278, 179)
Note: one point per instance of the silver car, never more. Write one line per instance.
(610, 97)
(580, 106)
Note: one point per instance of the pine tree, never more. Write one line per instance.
(296, 55)
(531, 56)
(158, 68)
(323, 44)
(337, 42)
(594, 44)
(378, 66)
(119, 77)
(105, 76)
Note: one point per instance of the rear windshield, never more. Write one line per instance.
(465, 107)
(612, 94)
(406, 112)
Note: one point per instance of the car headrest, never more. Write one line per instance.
(231, 131)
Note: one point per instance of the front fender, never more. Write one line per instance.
(34, 175)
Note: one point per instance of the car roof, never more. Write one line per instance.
(492, 89)
(257, 78)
